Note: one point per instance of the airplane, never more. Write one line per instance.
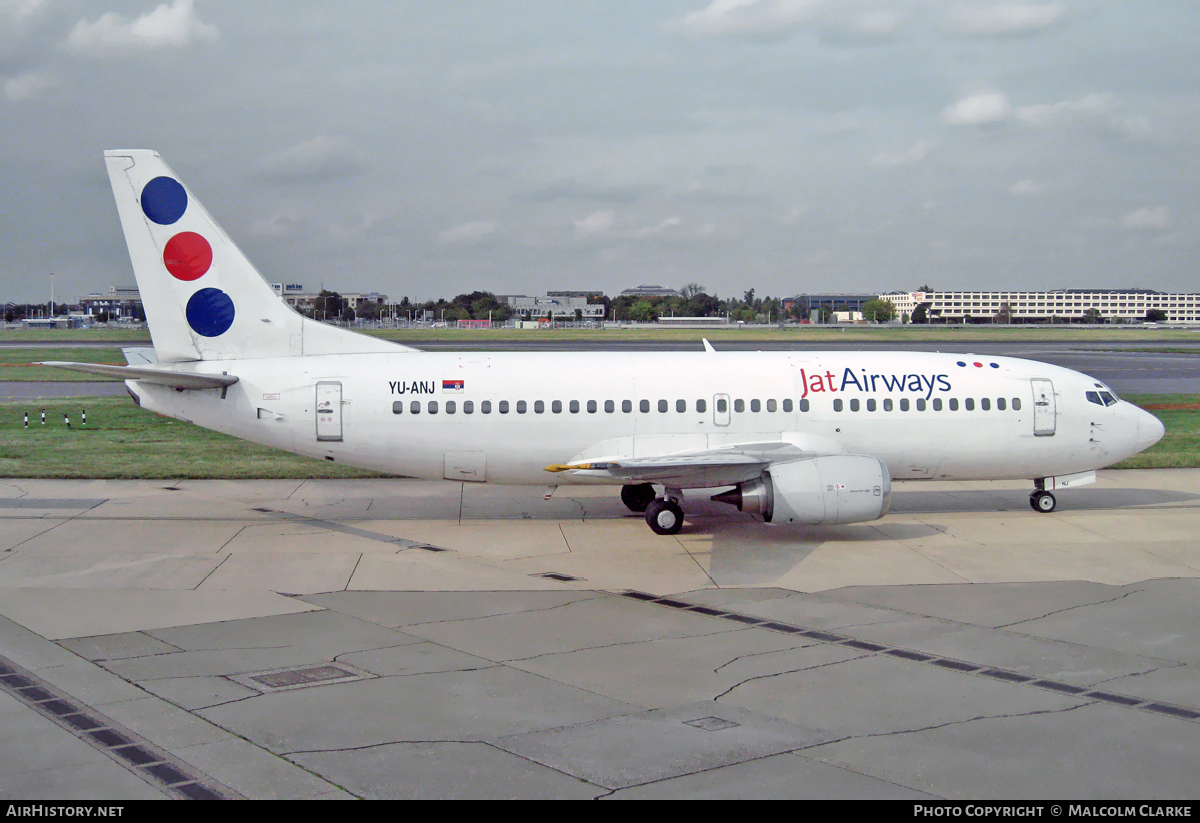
(801, 437)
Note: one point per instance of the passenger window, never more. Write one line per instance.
(662, 406)
(937, 404)
(953, 404)
(1016, 404)
(626, 406)
(739, 406)
(609, 407)
(787, 405)
(804, 405)
(539, 407)
(755, 406)
(521, 407)
(854, 405)
(722, 405)
(485, 407)
(397, 407)
(414, 407)
(556, 407)
(1000, 404)
(451, 407)
(701, 406)
(771, 406)
(970, 401)
(985, 404)
(644, 406)
(887, 404)
(903, 404)
(433, 406)
(681, 406)
(837, 404)
(591, 406)
(468, 406)
(574, 407)
(871, 404)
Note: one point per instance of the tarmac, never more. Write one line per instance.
(405, 639)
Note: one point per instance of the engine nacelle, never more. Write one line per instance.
(836, 489)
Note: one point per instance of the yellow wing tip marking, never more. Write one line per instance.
(582, 467)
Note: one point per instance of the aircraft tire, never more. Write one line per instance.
(1042, 502)
(664, 516)
(637, 497)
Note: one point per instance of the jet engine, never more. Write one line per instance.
(834, 489)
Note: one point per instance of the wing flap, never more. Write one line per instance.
(697, 469)
(161, 377)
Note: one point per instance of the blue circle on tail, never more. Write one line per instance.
(164, 201)
(210, 312)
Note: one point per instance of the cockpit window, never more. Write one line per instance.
(1094, 397)
(1101, 398)
(1108, 397)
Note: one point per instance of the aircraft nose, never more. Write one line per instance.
(1149, 430)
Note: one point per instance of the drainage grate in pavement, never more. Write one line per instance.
(711, 724)
(559, 576)
(302, 677)
(1140, 703)
(135, 753)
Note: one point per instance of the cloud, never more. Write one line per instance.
(319, 160)
(167, 26)
(19, 9)
(912, 155)
(669, 223)
(1028, 188)
(746, 18)
(279, 225)
(27, 86)
(1006, 18)
(1154, 219)
(1046, 113)
(978, 110)
(571, 189)
(468, 232)
(598, 222)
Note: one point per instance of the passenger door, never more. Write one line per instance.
(1043, 407)
(329, 411)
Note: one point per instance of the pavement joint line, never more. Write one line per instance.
(962, 666)
(133, 752)
(338, 527)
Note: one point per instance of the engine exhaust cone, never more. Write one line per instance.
(733, 497)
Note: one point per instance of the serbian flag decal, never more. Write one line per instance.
(453, 386)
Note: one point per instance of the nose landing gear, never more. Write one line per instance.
(1042, 502)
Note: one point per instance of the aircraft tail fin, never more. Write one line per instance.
(203, 299)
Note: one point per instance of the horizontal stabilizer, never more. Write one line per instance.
(161, 377)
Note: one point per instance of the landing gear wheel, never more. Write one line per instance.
(664, 516)
(637, 497)
(1042, 502)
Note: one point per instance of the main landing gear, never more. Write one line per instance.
(663, 514)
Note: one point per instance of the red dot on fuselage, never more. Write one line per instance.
(979, 365)
(187, 256)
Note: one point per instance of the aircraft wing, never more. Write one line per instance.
(725, 466)
(160, 376)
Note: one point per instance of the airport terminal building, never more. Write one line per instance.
(1113, 305)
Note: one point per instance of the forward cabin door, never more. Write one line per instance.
(1043, 407)
(329, 411)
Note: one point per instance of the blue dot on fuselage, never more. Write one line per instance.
(210, 312)
(164, 201)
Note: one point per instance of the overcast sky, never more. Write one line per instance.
(430, 148)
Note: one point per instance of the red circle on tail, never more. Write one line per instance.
(187, 256)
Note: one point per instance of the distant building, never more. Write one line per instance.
(562, 305)
(1113, 305)
(650, 291)
(295, 296)
(117, 302)
(834, 302)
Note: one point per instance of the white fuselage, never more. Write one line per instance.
(910, 410)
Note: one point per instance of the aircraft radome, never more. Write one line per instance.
(795, 437)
